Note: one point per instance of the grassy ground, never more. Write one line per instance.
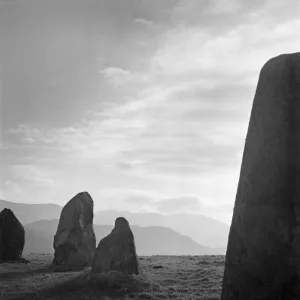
(162, 277)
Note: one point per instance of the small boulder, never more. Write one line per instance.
(75, 241)
(116, 252)
(12, 236)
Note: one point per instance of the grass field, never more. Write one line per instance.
(162, 277)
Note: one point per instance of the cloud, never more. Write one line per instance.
(224, 7)
(31, 173)
(192, 204)
(233, 53)
(116, 76)
(218, 16)
(123, 78)
(125, 198)
(179, 204)
(13, 189)
(130, 165)
(168, 118)
(138, 200)
(143, 21)
(28, 140)
(158, 132)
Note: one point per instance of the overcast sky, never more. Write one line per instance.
(145, 104)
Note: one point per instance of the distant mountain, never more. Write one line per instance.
(205, 231)
(27, 213)
(37, 241)
(152, 240)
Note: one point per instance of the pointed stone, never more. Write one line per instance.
(75, 241)
(262, 259)
(116, 252)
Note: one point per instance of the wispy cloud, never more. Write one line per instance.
(123, 78)
(32, 173)
(143, 21)
(224, 55)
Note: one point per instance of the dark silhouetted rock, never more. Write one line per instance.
(12, 236)
(262, 259)
(158, 267)
(75, 241)
(116, 252)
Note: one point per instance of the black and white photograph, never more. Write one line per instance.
(149, 149)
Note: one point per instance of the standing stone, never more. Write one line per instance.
(75, 241)
(117, 251)
(12, 236)
(262, 259)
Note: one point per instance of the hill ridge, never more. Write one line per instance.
(202, 229)
(155, 240)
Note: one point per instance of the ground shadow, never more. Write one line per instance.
(82, 286)
(11, 275)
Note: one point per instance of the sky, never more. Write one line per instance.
(145, 104)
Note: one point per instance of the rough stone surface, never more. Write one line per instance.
(75, 241)
(12, 236)
(116, 252)
(262, 259)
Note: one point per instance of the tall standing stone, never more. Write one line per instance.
(12, 236)
(262, 259)
(75, 241)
